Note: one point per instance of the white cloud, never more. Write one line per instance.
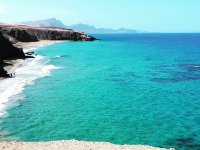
(3, 9)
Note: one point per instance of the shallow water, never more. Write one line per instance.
(124, 89)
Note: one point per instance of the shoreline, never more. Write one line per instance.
(35, 45)
(72, 145)
(13, 64)
(59, 145)
(26, 46)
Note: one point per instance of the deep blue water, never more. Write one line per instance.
(124, 89)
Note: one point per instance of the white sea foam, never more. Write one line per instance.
(29, 49)
(58, 56)
(25, 75)
(196, 66)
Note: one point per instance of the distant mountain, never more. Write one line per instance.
(84, 28)
(45, 23)
(93, 30)
(89, 29)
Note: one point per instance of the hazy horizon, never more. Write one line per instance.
(166, 16)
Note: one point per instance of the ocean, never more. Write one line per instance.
(124, 89)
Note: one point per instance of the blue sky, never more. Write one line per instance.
(146, 15)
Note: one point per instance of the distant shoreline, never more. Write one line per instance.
(34, 45)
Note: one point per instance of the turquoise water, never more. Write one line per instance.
(124, 89)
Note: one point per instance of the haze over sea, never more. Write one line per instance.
(124, 89)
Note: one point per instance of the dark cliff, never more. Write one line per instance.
(8, 51)
(21, 33)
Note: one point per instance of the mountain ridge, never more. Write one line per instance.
(52, 22)
(89, 29)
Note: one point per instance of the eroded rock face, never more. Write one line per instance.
(3, 73)
(23, 33)
(7, 50)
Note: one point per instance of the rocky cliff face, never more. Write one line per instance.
(3, 73)
(22, 33)
(8, 51)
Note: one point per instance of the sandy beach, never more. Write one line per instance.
(14, 65)
(31, 45)
(26, 46)
(71, 145)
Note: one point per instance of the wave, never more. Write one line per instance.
(63, 56)
(196, 66)
(25, 75)
(29, 49)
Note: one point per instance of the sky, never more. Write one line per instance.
(144, 15)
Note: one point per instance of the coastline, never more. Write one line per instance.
(72, 145)
(34, 45)
(59, 145)
(15, 64)
(26, 46)
(25, 72)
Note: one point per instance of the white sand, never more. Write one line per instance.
(15, 64)
(71, 145)
(30, 45)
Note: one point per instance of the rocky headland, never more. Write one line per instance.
(23, 33)
(10, 35)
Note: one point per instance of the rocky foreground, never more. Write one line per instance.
(13, 34)
(71, 145)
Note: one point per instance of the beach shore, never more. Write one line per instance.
(30, 45)
(12, 65)
(26, 46)
(71, 145)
